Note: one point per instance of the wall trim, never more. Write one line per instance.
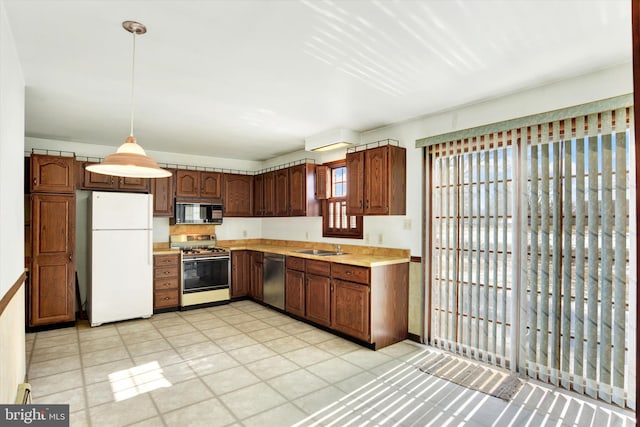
(6, 299)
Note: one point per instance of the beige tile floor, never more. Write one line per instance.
(243, 364)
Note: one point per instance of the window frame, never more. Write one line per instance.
(345, 233)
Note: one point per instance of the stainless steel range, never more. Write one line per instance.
(205, 270)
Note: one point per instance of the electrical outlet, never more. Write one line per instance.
(366, 238)
(406, 224)
(380, 238)
(306, 235)
(244, 233)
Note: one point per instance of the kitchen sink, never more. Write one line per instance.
(319, 252)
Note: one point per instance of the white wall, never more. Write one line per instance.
(12, 338)
(11, 162)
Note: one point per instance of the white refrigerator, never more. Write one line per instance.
(121, 257)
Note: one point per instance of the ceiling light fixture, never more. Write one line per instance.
(331, 140)
(130, 160)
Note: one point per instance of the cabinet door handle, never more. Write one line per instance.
(35, 180)
(71, 256)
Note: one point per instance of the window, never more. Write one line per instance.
(335, 221)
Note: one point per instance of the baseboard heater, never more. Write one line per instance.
(24, 394)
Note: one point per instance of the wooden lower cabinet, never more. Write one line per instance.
(256, 289)
(52, 278)
(240, 273)
(350, 302)
(318, 299)
(371, 304)
(294, 294)
(166, 281)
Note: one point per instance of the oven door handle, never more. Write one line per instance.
(221, 258)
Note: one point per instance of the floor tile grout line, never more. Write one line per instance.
(85, 391)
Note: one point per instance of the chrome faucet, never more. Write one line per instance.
(338, 250)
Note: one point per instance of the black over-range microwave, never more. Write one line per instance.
(198, 212)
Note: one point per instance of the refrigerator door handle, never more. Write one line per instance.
(150, 251)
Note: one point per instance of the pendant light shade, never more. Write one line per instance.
(130, 160)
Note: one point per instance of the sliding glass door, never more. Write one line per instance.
(530, 261)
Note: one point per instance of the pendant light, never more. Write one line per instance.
(130, 160)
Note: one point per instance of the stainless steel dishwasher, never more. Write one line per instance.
(273, 280)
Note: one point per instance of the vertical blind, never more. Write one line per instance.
(530, 250)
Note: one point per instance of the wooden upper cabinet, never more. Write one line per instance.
(355, 183)
(52, 174)
(133, 184)
(237, 195)
(302, 200)
(323, 182)
(376, 189)
(376, 179)
(187, 183)
(282, 192)
(211, 185)
(52, 281)
(269, 194)
(258, 195)
(163, 196)
(96, 181)
(191, 183)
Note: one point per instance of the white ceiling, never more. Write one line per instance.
(250, 79)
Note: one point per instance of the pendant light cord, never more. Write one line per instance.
(133, 69)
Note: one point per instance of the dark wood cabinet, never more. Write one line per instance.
(52, 278)
(166, 282)
(93, 181)
(187, 183)
(258, 195)
(323, 182)
(350, 314)
(355, 183)
(256, 282)
(377, 181)
(318, 292)
(52, 174)
(240, 273)
(294, 294)
(282, 192)
(371, 304)
(269, 194)
(211, 185)
(294, 283)
(163, 196)
(302, 200)
(203, 184)
(96, 181)
(133, 184)
(237, 195)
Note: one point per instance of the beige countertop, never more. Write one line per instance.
(351, 258)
